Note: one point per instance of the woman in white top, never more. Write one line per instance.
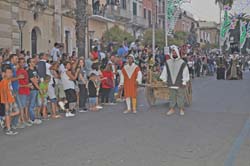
(69, 87)
(51, 89)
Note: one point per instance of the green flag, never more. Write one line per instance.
(225, 25)
(243, 33)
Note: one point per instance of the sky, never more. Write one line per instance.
(207, 10)
(203, 10)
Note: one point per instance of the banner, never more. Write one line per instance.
(225, 25)
(248, 30)
(243, 33)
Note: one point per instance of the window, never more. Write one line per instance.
(124, 4)
(67, 36)
(33, 41)
(145, 13)
(134, 8)
(163, 7)
(149, 18)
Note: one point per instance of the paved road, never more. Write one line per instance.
(214, 132)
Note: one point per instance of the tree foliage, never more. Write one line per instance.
(179, 38)
(117, 35)
(159, 37)
(224, 2)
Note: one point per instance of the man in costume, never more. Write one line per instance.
(175, 73)
(221, 65)
(131, 76)
(234, 72)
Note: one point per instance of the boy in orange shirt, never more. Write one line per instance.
(7, 98)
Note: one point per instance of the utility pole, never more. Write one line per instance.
(153, 22)
(166, 23)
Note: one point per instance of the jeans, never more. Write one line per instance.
(82, 96)
(112, 95)
(33, 104)
(15, 119)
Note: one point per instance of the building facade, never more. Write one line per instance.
(46, 22)
(208, 33)
(184, 22)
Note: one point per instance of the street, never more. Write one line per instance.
(213, 132)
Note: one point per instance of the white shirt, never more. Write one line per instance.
(55, 53)
(66, 82)
(185, 76)
(130, 70)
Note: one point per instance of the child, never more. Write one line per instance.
(7, 98)
(43, 95)
(92, 90)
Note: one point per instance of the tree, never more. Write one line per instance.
(81, 25)
(159, 37)
(117, 35)
(224, 2)
(178, 39)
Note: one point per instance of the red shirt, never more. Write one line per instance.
(108, 82)
(25, 81)
(95, 55)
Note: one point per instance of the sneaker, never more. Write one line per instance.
(20, 126)
(134, 111)
(171, 112)
(37, 121)
(69, 114)
(30, 122)
(99, 107)
(112, 103)
(82, 111)
(61, 104)
(182, 113)
(10, 132)
(13, 127)
(126, 111)
(27, 124)
(45, 119)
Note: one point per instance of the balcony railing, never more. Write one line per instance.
(140, 21)
(117, 13)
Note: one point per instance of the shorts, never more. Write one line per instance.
(53, 100)
(17, 100)
(24, 99)
(13, 108)
(51, 92)
(42, 103)
(59, 91)
(92, 100)
(71, 95)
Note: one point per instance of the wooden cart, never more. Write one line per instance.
(156, 89)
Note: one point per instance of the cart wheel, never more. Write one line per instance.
(150, 96)
(188, 94)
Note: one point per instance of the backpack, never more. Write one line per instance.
(41, 69)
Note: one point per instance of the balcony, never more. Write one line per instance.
(117, 13)
(140, 21)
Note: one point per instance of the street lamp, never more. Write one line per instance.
(91, 36)
(21, 24)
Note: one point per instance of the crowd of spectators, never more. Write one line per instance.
(52, 85)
